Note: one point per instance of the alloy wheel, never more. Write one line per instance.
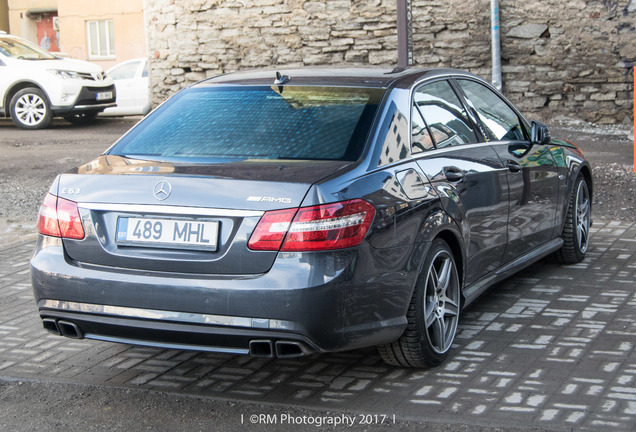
(441, 304)
(583, 216)
(30, 109)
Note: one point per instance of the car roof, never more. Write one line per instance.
(329, 76)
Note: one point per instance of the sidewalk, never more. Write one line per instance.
(550, 348)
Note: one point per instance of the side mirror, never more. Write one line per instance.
(540, 133)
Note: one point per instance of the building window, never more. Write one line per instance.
(101, 39)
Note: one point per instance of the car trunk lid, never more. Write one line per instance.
(190, 218)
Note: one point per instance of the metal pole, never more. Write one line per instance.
(405, 32)
(496, 44)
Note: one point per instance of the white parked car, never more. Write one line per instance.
(133, 88)
(36, 86)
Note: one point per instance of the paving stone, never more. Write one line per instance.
(551, 347)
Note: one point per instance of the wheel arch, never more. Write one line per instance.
(452, 240)
(16, 87)
(439, 224)
(586, 172)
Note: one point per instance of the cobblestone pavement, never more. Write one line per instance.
(550, 348)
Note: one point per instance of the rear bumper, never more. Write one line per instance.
(320, 301)
(179, 331)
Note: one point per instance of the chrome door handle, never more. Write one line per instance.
(453, 174)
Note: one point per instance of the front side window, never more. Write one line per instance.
(256, 122)
(101, 39)
(500, 121)
(444, 115)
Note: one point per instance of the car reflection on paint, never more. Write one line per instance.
(313, 210)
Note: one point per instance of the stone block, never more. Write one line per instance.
(357, 56)
(382, 57)
(341, 41)
(603, 96)
(315, 7)
(331, 49)
(527, 31)
(195, 76)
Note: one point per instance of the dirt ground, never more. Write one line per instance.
(30, 160)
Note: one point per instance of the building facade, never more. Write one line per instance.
(102, 32)
(569, 58)
(4, 15)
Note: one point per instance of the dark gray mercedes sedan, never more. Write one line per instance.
(279, 214)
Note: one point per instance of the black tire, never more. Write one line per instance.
(576, 231)
(30, 109)
(433, 313)
(81, 118)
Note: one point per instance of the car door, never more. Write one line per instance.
(4, 81)
(532, 171)
(465, 170)
(125, 84)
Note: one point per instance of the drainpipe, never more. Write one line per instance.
(496, 44)
(405, 32)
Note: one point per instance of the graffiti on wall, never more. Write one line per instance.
(48, 36)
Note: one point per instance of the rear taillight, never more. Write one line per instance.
(271, 229)
(60, 217)
(324, 227)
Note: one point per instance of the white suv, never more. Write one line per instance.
(36, 86)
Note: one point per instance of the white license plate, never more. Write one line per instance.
(173, 233)
(104, 95)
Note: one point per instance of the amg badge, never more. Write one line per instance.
(269, 199)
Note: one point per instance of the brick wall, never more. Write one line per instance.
(569, 58)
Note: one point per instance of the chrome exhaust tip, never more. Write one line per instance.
(291, 349)
(50, 325)
(262, 348)
(70, 330)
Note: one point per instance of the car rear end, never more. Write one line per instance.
(200, 228)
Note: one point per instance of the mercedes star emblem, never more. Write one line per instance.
(162, 190)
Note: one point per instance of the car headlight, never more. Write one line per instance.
(65, 74)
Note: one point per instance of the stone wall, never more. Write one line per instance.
(560, 58)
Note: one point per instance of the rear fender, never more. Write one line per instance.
(439, 224)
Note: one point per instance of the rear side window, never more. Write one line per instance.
(421, 138)
(286, 122)
(500, 121)
(444, 116)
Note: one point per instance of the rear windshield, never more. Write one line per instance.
(278, 122)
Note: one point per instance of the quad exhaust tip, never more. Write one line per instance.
(50, 325)
(267, 348)
(62, 328)
(264, 348)
(70, 330)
